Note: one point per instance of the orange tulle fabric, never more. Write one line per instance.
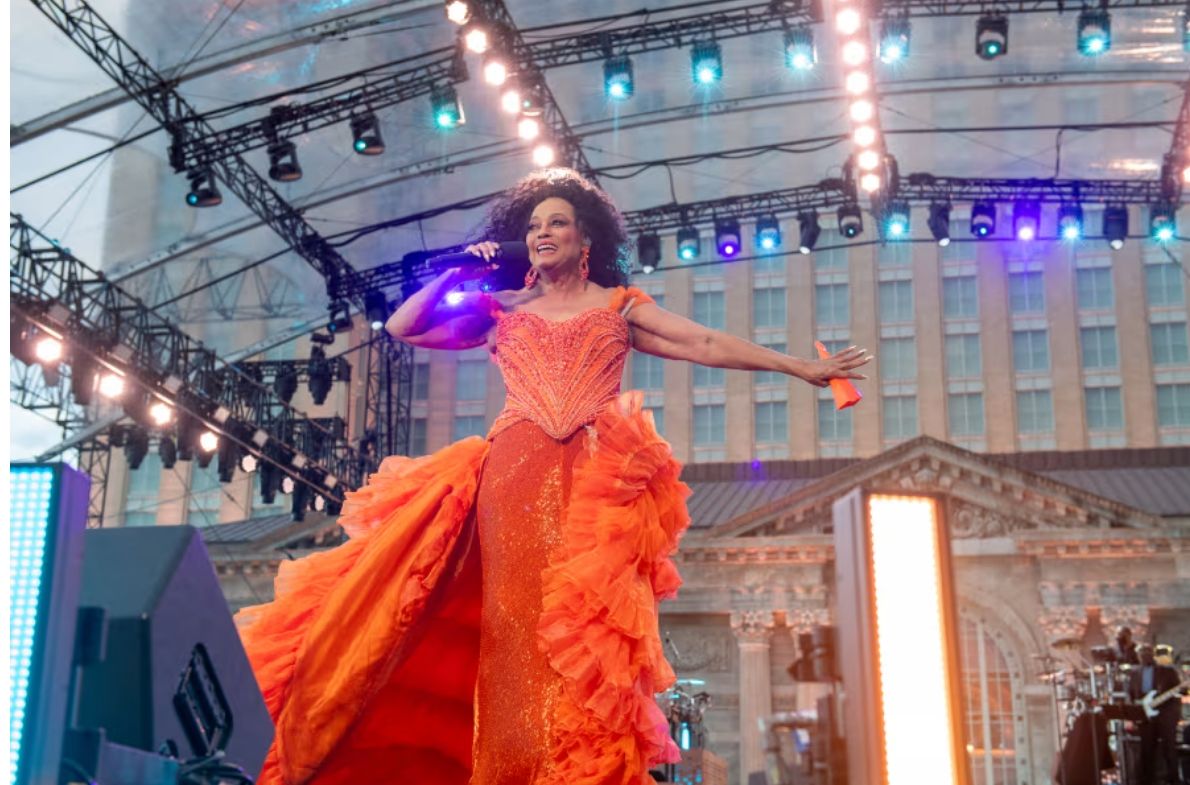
(368, 656)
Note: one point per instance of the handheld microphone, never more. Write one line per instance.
(511, 251)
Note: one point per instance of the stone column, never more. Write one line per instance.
(753, 629)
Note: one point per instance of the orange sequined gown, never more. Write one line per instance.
(493, 617)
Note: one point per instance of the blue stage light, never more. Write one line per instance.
(1094, 32)
(1162, 222)
(617, 78)
(1070, 222)
(983, 219)
(894, 40)
(991, 37)
(689, 246)
(800, 54)
(448, 112)
(706, 63)
(851, 221)
(768, 233)
(896, 220)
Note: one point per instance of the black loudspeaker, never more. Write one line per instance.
(174, 674)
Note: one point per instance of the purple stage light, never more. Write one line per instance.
(454, 298)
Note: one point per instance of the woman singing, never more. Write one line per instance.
(493, 617)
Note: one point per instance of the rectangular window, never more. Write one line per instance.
(959, 298)
(772, 377)
(1093, 288)
(468, 425)
(1169, 343)
(1164, 284)
(768, 306)
(963, 356)
(421, 381)
(1099, 347)
(648, 371)
(832, 304)
(709, 424)
(417, 436)
(1034, 411)
(900, 416)
(472, 382)
(658, 413)
(140, 505)
(708, 309)
(206, 496)
(898, 359)
(833, 425)
(1030, 350)
(772, 423)
(965, 413)
(1105, 412)
(709, 377)
(1173, 405)
(1025, 293)
(896, 301)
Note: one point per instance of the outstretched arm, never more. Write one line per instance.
(657, 331)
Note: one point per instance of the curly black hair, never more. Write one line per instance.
(597, 217)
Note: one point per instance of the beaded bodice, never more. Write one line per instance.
(561, 375)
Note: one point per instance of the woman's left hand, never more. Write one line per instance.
(838, 366)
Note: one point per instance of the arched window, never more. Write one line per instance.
(994, 706)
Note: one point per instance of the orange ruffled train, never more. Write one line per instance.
(368, 655)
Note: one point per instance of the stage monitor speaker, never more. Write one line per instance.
(174, 673)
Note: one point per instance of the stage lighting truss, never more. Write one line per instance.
(727, 237)
(618, 84)
(894, 39)
(859, 82)
(365, 135)
(648, 252)
(706, 63)
(768, 233)
(800, 52)
(1094, 32)
(283, 162)
(991, 37)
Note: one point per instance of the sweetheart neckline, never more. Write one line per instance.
(567, 319)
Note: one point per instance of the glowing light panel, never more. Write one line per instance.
(912, 642)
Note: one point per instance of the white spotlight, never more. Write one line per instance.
(161, 413)
(543, 155)
(48, 350)
(528, 128)
(208, 441)
(111, 385)
(476, 40)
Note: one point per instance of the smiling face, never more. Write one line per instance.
(554, 238)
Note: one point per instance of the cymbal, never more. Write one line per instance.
(1066, 643)
(690, 682)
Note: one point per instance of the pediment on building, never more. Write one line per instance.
(984, 498)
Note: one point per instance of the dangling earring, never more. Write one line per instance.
(531, 278)
(584, 263)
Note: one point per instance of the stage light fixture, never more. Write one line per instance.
(848, 20)
(288, 484)
(448, 112)
(939, 223)
(870, 182)
(283, 162)
(365, 135)
(111, 385)
(476, 39)
(800, 53)
(510, 100)
(864, 136)
(768, 233)
(229, 459)
(1162, 222)
(618, 83)
(894, 40)
(82, 378)
(319, 381)
(168, 450)
(285, 385)
(528, 128)
(1026, 220)
(1070, 221)
(896, 220)
(868, 160)
(727, 237)
(855, 53)
(203, 190)
(495, 69)
(808, 231)
(340, 317)
(1094, 32)
(857, 82)
(376, 310)
(648, 252)
(983, 219)
(161, 413)
(248, 463)
(458, 11)
(208, 441)
(48, 349)
(543, 154)
(533, 100)
(1115, 225)
(689, 246)
(861, 110)
(136, 447)
(706, 63)
(319, 502)
(851, 221)
(991, 36)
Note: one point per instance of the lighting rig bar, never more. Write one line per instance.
(157, 96)
(920, 8)
(59, 294)
(193, 147)
(926, 188)
(826, 194)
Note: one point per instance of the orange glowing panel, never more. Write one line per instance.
(915, 666)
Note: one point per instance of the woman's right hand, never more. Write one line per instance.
(485, 250)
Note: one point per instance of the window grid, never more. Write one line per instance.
(1173, 405)
(1164, 285)
(771, 377)
(421, 381)
(1093, 288)
(1099, 347)
(896, 301)
(832, 304)
(1105, 412)
(1030, 350)
(1025, 293)
(709, 424)
(1035, 411)
(833, 425)
(144, 489)
(417, 436)
(960, 299)
(963, 357)
(900, 416)
(658, 413)
(472, 381)
(768, 306)
(965, 414)
(709, 310)
(648, 371)
(989, 707)
(468, 425)
(771, 422)
(898, 359)
(1168, 340)
(709, 377)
